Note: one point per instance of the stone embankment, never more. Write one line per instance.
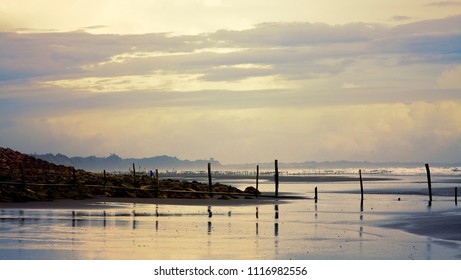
(25, 178)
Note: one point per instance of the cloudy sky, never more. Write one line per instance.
(237, 80)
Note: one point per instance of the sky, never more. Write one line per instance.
(235, 80)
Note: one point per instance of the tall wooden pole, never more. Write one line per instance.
(361, 184)
(316, 195)
(429, 183)
(210, 183)
(134, 175)
(105, 180)
(257, 180)
(158, 183)
(276, 177)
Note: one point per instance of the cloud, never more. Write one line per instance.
(164, 81)
(275, 87)
(444, 4)
(350, 86)
(390, 131)
(450, 79)
(294, 50)
(298, 33)
(93, 27)
(401, 18)
(144, 16)
(379, 132)
(322, 57)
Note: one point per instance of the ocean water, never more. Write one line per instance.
(338, 226)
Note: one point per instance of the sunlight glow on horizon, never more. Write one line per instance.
(160, 81)
(198, 16)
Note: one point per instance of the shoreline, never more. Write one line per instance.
(309, 178)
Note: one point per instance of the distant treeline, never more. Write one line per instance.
(116, 163)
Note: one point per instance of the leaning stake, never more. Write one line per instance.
(316, 196)
(361, 184)
(158, 183)
(276, 177)
(105, 180)
(134, 175)
(210, 184)
(429, 183)
(257, 180)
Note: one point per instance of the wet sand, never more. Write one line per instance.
(108, 202)
(263, 228)
(442, 225)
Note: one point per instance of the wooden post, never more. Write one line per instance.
(134, 175)
(361, 184)
(158, 183)
(429, 183)
(257, 180)
(276, 177)
(315, 197)
(105, 180)
(456, 196)
(210, 183)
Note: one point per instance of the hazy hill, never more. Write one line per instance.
(116, 163)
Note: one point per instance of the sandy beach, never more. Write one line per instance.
(394, 222)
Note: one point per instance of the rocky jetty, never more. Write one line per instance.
(25, 178)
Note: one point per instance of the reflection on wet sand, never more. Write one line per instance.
(276, 218)
(316, 211)
(210, 225)
(210, 214)
(257, 218)
(276, 228)
(265, 231)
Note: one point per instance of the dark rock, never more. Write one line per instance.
(252, 190)
(48, 181)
